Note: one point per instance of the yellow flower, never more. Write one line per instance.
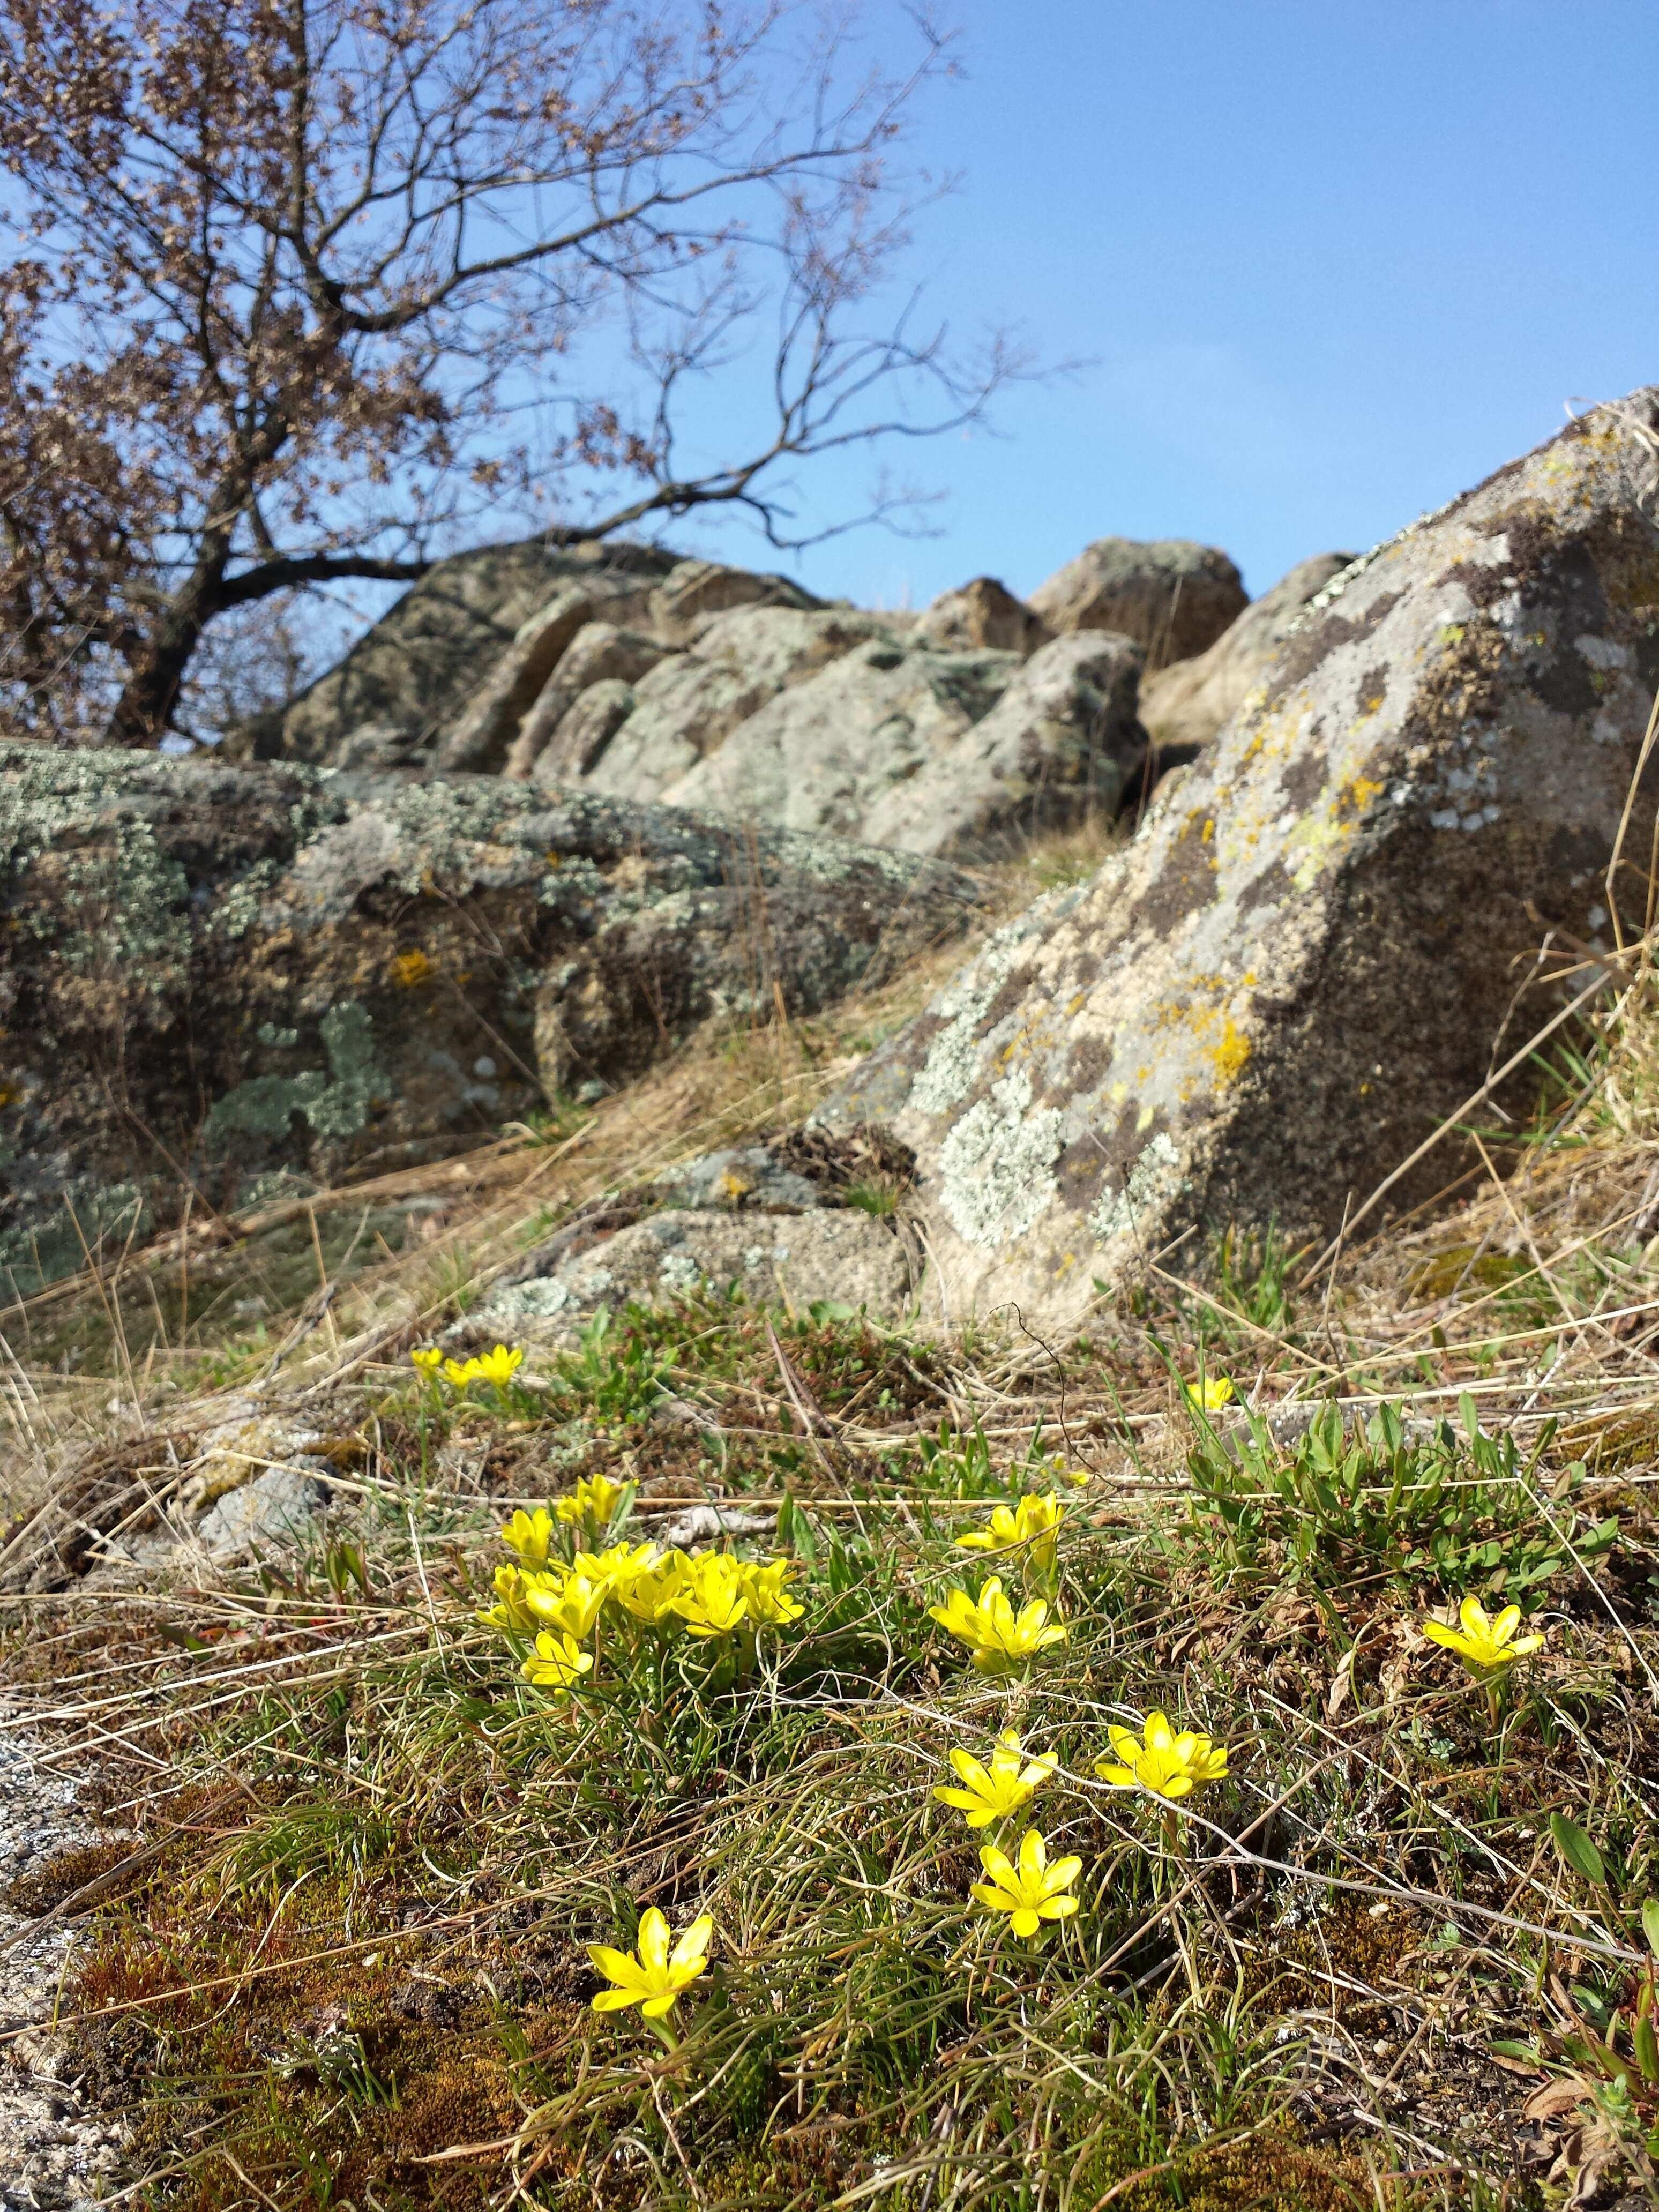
(617, 1565)
(771, 1605)
(713, 1599)
(459, 1373)
(999, 1638)
(511, 1612)
(556, 1662)
(1027, 1888)
(1484, 1645)
(426, 1359)
(566, 1601)
(1168, 1765)
(653, 1594)
(1210, 1395)
(594, 1501)
(531, 1535)
(1033, 1523)
(994, 1794)
(499, 1366)
(653, 1977)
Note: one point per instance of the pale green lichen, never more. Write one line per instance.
(335, 1104)
(996, 1166)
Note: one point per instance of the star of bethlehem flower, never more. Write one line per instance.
(654, 1978)
(457, 1373)
(593, 1502)
(1026, 1888)
(1031, 1526)
(1485, 1644)
(566, 1601)
(993, 1792)
(499, 1366)
(617, 1565)
(556, 1662)
(426, 1359)
(531, 1535)
(999, 1637)
(511, 1612)
(771, 1605)
(713, 1599)
(653, 1594)
(1169, 1765)
(1210, 1394)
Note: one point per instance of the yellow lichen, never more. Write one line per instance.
(411, 968)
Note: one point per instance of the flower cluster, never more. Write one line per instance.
(555, 1598)
(496, 1368)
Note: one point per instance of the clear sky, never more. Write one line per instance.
(1332, 263)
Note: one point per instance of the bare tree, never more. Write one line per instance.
(297, 284)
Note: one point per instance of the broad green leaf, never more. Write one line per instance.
(1650, 1924)
(1576, 1850)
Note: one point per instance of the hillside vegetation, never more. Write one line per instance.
(1391, 1949)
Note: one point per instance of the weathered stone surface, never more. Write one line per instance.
(842, 1256)
(823, 755)
(584, 731)
(421, 663)
(482, 735)
(1173, 597)
(1061, 743)
(1186, 703)
(694, 590)
(1304, 961)
(687, 707)
(982, 612)
(243, 974)
(603, 653)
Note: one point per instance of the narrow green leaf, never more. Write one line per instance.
(1576, 1850)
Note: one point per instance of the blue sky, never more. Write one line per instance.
(1331, 264)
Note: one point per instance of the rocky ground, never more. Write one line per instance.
(57, 2149)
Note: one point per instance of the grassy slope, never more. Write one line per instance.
(353, 1970)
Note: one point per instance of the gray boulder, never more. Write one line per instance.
(1186, 703)
(602, 653)
(247, 976)
(1173, 597)
(487, 729)
(688, 704)
(1061, 743)
(1309, 956)
(694, 591)
(982, 612)
(823, 755)
(843, 1257)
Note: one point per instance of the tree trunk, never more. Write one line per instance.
(140, 715)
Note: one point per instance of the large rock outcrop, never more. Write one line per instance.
(418, 667)
(1185, 704)
(688, 684)
(1172, 597)
(237, 975)
(1308, 957)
